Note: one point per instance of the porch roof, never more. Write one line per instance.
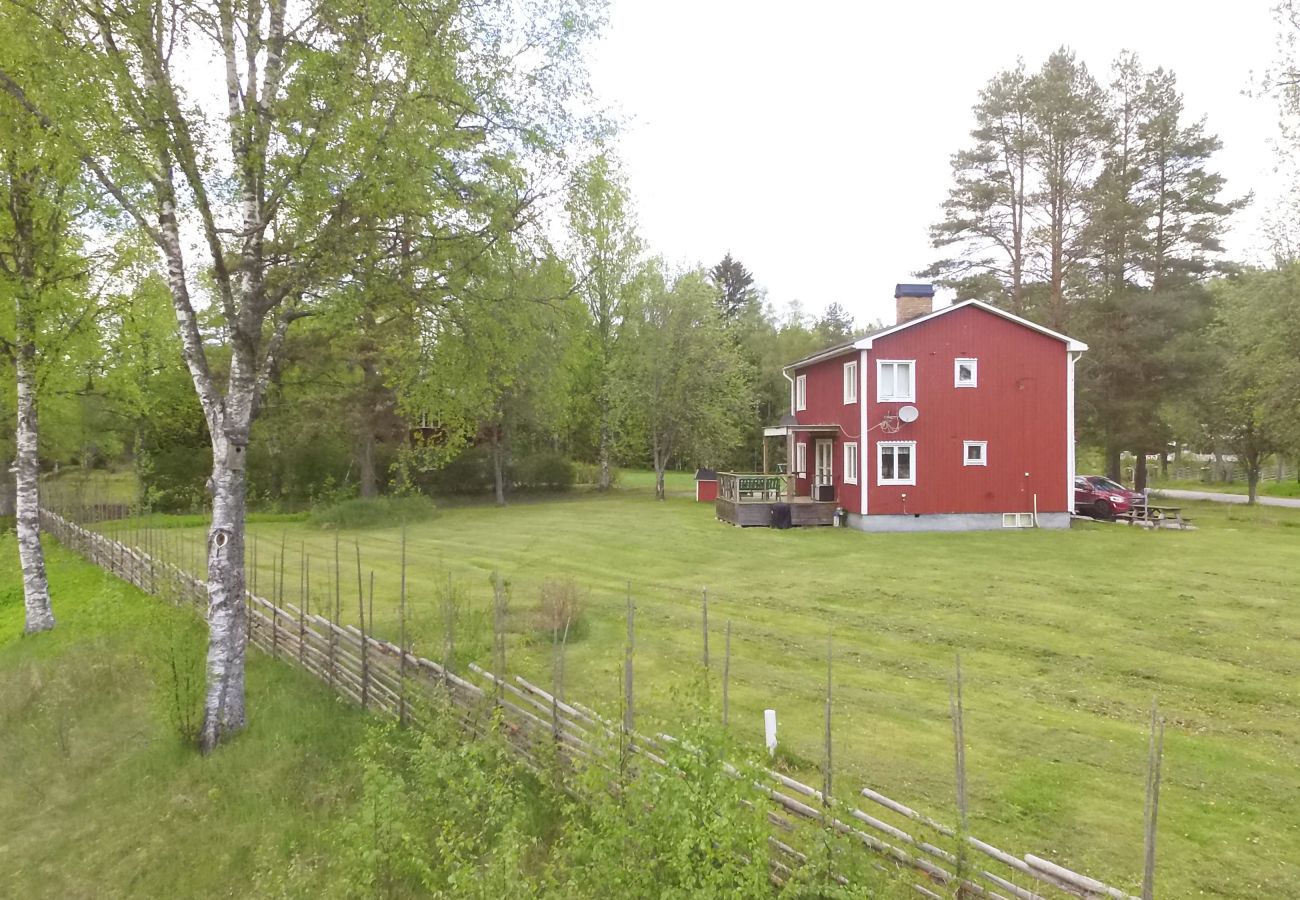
(784, 430)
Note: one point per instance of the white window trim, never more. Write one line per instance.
(800, 459)
(880, 454)
(800, 392)
(851, 382)
(974, 372)
(965, 453)
(851, 463)
(881, 397)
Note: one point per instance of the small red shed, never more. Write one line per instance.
(706, 485)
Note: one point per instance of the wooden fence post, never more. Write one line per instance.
(726, 673)
(448, 633)
(705, 608)
(959, 742)
(361, 614)
(826, 762)
(629, 716)
(304, 598)
(498, 634)
(401, 613)
(1155, 754)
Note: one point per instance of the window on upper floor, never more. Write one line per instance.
(896, 462)
(801, 392)
(975, 453)
(850, 382)
(896, 380)
(965, 372)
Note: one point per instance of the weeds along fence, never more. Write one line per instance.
(378, 675)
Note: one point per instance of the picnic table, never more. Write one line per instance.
(1154, 514)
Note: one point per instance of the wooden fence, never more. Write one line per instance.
(386, 677)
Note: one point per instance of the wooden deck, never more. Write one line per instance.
(747, 500)
(804, 511)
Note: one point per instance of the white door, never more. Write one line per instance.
(822, 473)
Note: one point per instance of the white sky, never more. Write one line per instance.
(812, 139)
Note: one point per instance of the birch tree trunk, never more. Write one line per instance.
(36, 589)
(223, 705)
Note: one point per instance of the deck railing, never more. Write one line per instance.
(739, 487)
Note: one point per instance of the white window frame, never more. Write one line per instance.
(965, 453)
(880, 467)
(974, 372)
(851, 382)
(851, 463)
(800, 459)
(910, 395)
(800, 392)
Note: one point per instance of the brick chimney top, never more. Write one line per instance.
(913, 301)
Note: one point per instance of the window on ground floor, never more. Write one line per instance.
(896, 462)
(851, 463)
(800, 460)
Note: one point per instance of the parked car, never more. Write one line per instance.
(1101, 498)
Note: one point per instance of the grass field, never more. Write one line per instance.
(1065, 638)
(1267, 487)
(98, 796)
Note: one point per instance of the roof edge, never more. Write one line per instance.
(1071, 344)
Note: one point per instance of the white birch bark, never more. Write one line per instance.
(36, 589)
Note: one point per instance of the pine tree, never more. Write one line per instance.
(735, 286)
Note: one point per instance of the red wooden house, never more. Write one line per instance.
(956, 419)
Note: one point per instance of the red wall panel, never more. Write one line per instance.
(826, 406)
(1019, 406)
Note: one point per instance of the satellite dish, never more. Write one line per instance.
(908, 413)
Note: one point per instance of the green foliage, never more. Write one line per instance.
(545, 471)
(175, 659)
(374, 512)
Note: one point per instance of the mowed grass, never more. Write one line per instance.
(98, 796)
(1065, 640)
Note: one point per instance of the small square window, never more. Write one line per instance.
(965, 372)
(975, 453)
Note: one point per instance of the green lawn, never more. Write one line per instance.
(1065, 639)
(1268, 487)
(98, 797)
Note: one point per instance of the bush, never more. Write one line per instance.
(559, 611)
(587, 473)
(374, 512)
(468, 473)
(545, 471)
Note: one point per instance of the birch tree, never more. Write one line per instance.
(265, 147)
(606, 258)
(683, 386)
(41, 277)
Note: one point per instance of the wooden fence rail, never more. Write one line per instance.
(383, 676)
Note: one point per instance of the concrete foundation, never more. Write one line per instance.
(949, 522)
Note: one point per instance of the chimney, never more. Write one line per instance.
(913, 301)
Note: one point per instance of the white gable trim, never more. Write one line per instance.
(1070, 343)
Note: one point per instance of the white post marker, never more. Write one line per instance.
(769, 726)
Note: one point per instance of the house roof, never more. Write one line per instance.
(865, 342)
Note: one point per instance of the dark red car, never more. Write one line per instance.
(1101, 498)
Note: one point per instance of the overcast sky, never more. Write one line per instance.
(813, 139)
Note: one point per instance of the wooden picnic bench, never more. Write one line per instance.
(1154, 514)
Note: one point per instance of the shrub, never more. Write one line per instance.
(468, 473)
(559, 610)
(545, 471)
(587, 473)
(374, 511)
